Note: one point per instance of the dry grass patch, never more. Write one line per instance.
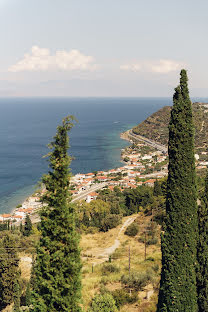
(25, 265)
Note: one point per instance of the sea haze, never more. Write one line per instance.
(27, 125)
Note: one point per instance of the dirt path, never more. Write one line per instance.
(105, 254)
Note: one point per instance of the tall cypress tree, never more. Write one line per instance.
(202, 252)
(178, 277)
(57, 284)
(9, 271)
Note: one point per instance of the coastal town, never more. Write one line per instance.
(143, 163)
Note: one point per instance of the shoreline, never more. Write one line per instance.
(135, 163)
(26, 198)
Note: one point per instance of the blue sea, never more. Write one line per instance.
(27, 125)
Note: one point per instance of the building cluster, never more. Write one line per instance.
(31, 204)
(132, 174)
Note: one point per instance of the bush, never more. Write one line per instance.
(122, 297)
(132, 230)
(152, 241)
(109, 222)
(155, 267)
(91, 230)
(137, 280)
(150, 259)
(104, 280)
(110, 268)
(103, 302)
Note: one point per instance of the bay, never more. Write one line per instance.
(27, 125)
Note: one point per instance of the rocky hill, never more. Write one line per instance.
(155, 127)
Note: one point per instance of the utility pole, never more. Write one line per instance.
(129, 261)
(145, 245)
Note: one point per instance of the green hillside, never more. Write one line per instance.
(155, 127)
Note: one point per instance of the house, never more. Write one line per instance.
(23, 212)
(150, 182)
(16, 218)
(91, 196)
(5, 217)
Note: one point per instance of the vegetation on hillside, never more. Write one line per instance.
(155, 127)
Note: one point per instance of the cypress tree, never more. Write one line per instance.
(16, 307)
(28, 295)
(178, 276)
(21, 228)
(28, 226)
(157, 191)
(202, 252)
(9, 271)
(57, 284)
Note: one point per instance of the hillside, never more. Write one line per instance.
(155, 127)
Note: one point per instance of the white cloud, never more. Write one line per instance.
(162, 66)
(166, 66)
(131, 67)
(41, 60)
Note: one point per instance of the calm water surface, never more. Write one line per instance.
(28, 125)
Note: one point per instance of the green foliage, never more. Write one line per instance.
(28, 226)
(16, 307)
(126, 159)
(57, 277)
(3, 226)
(122, 297)
(132, 230)
(202, 252)
(141, 196)
(103, 302)
(157, 191)
(110, 268)
(137, 280)
(110, 221)
(115, 199)
(178, 277)
(152, 241)
(28, 295)
(9, 271)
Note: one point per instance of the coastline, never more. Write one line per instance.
(26, 197)
(137, 169)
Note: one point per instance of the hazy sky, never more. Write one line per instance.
(102, 47)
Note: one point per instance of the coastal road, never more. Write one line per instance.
(149, 142)
(35, 217)
(84, 194)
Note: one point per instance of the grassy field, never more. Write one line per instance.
(95, 277)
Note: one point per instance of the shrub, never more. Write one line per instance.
(103, 302)
(155, 267)
(109, 222)
(150, 259)
(137, 280)
(152, 241)
(121, 297)
(91, 230)
(132, 230)
(110, 268)
(104, 280)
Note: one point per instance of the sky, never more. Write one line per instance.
(102, 48)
